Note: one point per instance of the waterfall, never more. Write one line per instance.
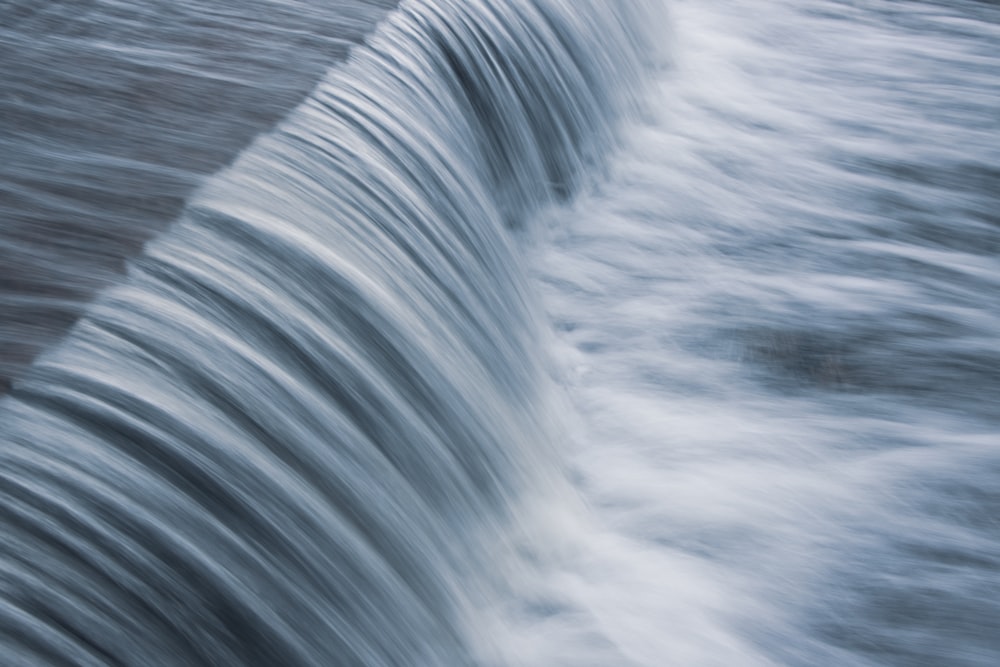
(290, 434)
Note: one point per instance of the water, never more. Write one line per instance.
(550, 335)
(776, 320)
(111, 114)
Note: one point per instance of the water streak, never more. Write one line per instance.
(290, 436)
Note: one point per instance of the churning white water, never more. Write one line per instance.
(540, 333)
(776, 322)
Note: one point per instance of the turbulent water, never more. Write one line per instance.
(540, 333)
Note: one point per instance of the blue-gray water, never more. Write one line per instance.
(658, 332)
(112, 112)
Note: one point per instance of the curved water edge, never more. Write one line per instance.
(292, 435)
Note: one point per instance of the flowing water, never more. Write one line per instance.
(110, 115)
(546, 333)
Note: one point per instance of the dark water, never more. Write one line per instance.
(536, 333)
(111, 113)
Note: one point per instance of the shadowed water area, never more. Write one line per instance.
(111, 113)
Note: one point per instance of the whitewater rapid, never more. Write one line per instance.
(775, 322)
